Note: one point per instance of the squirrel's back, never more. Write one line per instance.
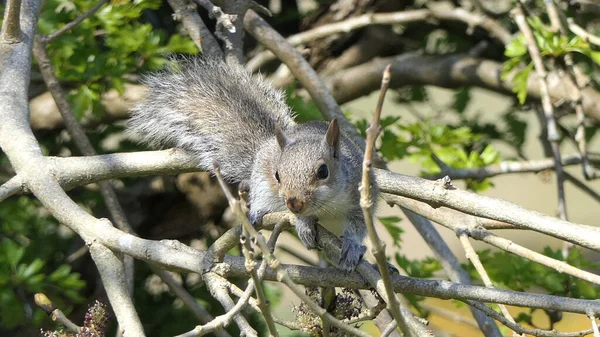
(214, 110)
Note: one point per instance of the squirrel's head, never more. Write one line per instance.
(308, 171)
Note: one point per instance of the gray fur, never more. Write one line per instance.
(221, 113)
(213, 110)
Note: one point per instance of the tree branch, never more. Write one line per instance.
(52, 36)
(11, 25)
(112, 273)
(457, 14)
(451, 71)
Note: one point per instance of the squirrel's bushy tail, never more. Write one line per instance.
(215, 111)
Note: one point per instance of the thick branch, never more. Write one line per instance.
(452, 71)
(196, 28)
(458, 14)
(76, 171)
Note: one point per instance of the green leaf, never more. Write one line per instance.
(516, 47)
(490, 155)
(520, 82)
(31, 269)
(391, 224)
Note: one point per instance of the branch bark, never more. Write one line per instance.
(452, 71)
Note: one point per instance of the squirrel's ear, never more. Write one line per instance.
(281, 138)
(332, 138)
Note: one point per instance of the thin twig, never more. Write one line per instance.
(366, 203)
(254, 305)
(224, 320)
(508, 167)
(462, 223)
(446, 257)
(474, 258)
(551, 128)
(42, 301)
(263, 304)
(494, 28)
(575, 75)
(594, 325)
(13, 186)
(196, 29)
(522, 330)
(582, 186)
(218, 287)
(199, 311)
(582, 33)
(52, 36)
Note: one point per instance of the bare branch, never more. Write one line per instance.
(223, 19)
(13, 186)
(11, 25)
(482, 206)
(196, 28)
(447, 259)
(507, 167)
(42, 301)
(52, 36)
(522, 330)
(548, 108)
(199, 311)
(366, 203)
(451, 71)
(594, 326)
(494, 28)
(112, 272)
(582, 33)
(474, 258)
(222, 321)
(469, 225)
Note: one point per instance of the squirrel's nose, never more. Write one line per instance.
(294, 205)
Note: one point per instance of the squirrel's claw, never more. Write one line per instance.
(307, 231)
(352, 253)
(256, 217)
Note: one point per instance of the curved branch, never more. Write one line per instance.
(452, 71)
(494, 28)
(507, 167)
(76, 171)
(437, 195)
(196, 28)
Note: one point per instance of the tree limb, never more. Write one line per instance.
(451, 71)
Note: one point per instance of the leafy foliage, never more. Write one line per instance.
(429, 142)
(551, 44)
(510, 271)
(100, 52)
(27, 267)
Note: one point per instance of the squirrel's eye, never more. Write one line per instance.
(277, 176)
(322, 172)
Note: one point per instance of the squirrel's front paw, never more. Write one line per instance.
(256, 217)
(352, 253)
(307, 231)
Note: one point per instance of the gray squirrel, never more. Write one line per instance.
(220, 112)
